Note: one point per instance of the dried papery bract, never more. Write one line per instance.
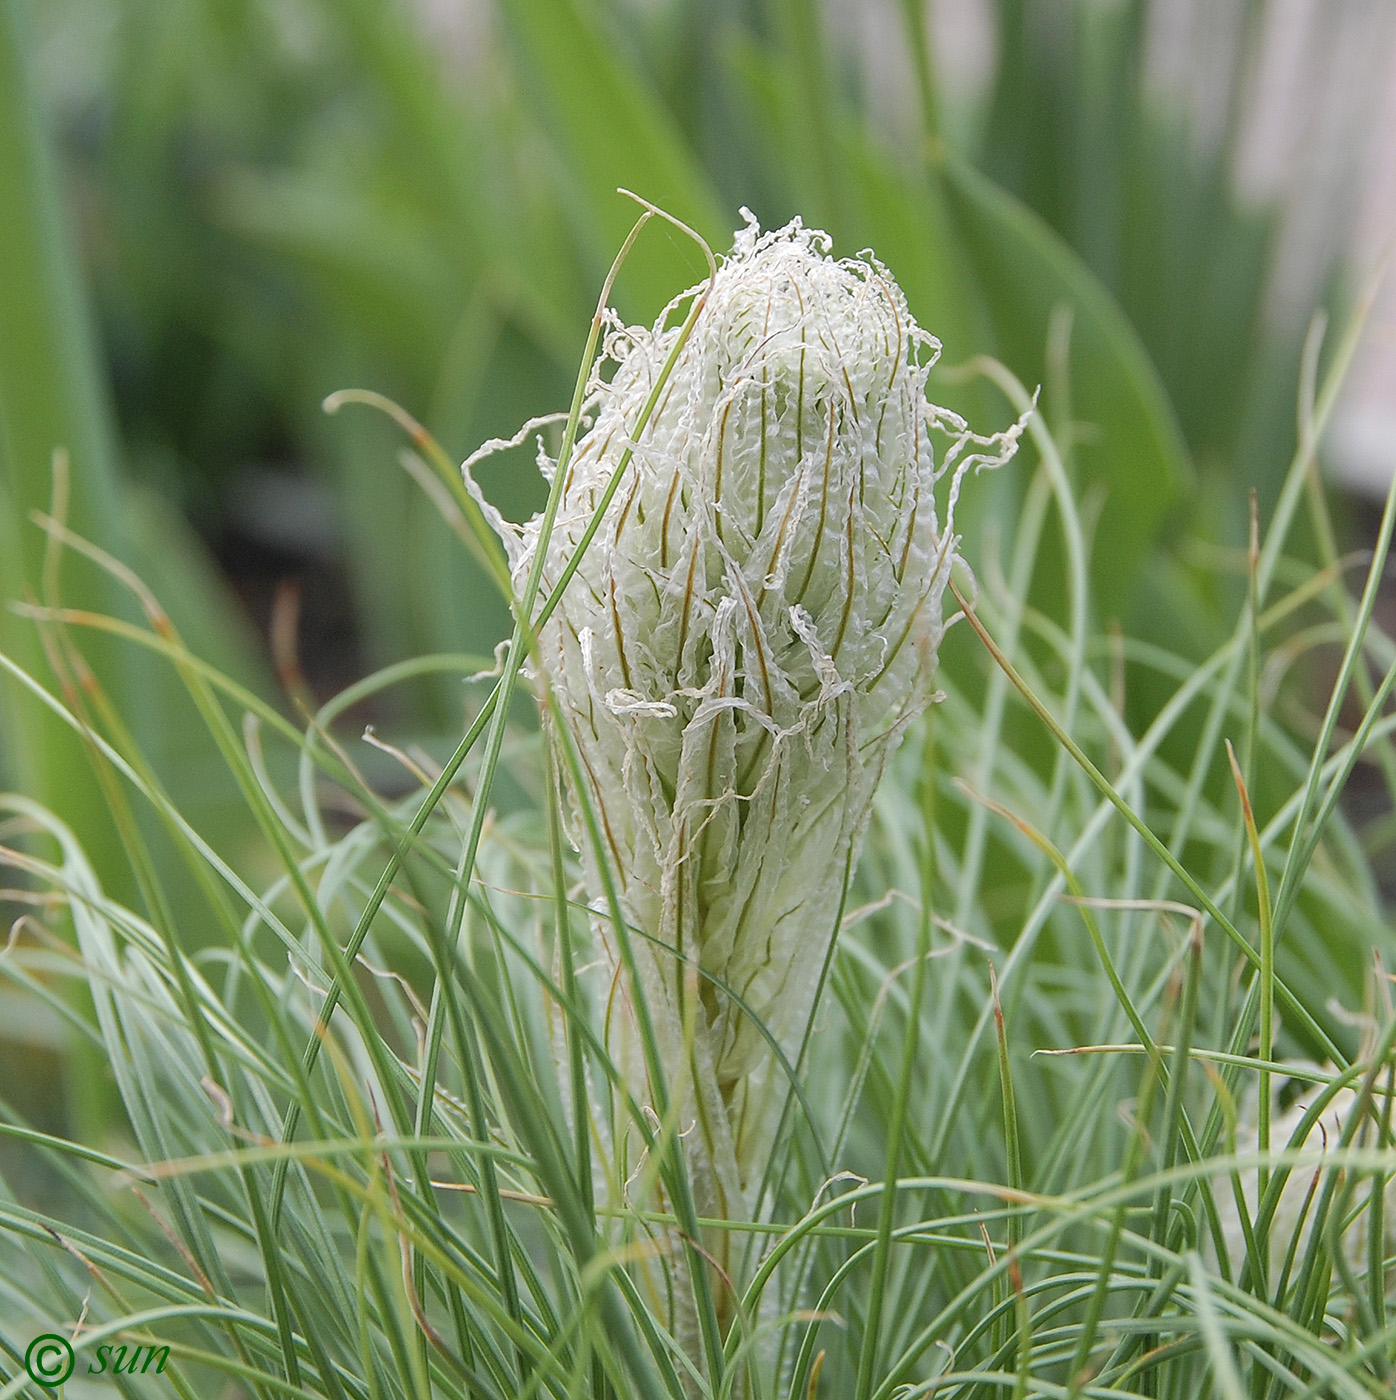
(748, 635)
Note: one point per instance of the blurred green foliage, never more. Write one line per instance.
(278, 198)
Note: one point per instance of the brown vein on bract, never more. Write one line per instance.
(910, 622)
(823, 505)
(765, 382)
(717, 477)
(663, 404)
(664, 532)
(872, 529)
(757, 755)
(772, 818)
(852, 398)
(754, 618)
(620, 640)
(830, 342)
(658, 593)
(768, 945)
(848, 600)
(896, 359)
(601, 809)
(779, 542)
(599, 452)
(625, 509)
(687, 603)
(915, 498)
(709, 795)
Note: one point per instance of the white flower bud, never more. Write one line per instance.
(746, 640)
(1293, 1220)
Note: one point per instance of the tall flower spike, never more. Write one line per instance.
(747, 637)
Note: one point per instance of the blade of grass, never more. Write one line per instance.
(887, 1206)
(1266, 971)
(1306, 834)
(1302, 1016)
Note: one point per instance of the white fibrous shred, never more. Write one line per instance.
(748, 635)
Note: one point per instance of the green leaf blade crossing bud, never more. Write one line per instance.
(746, 639)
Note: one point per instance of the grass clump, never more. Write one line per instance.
(374, 1140)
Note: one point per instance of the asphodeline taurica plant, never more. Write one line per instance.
(748, 636)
